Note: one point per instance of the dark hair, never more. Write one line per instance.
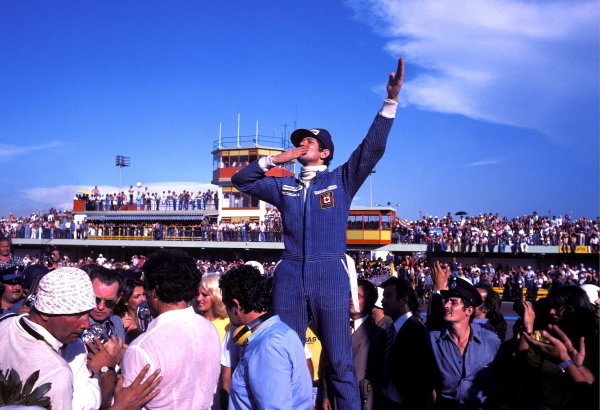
(173, 275)
(6, 238)
(245, 284)
(579, 316)
(403, 288)
(492, 303)
(128, 288)
(104, 275)
(322, 147)
(370, 293)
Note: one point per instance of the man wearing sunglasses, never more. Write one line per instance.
(107, 287)
(55, 260)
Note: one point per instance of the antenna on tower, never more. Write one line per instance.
(220, 135)
(256, 140)
(238, 129)
(285, 134)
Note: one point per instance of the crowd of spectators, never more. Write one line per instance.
(149, 201)
(423, 277)
(491, 233)
(136, 262)
(485, 233)
(513, 279)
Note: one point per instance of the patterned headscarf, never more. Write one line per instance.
(65, 291)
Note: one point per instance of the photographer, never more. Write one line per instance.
(558, 349)
(55, 260)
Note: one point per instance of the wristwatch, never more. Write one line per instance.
(562, 366)
(106, 369)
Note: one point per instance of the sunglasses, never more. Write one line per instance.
(109, 303)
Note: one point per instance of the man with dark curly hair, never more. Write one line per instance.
(272, 372)
(183, 345)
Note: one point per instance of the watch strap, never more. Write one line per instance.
(106, 369)
(562, 366)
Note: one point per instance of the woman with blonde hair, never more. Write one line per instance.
(209, 304)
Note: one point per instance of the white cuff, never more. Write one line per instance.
(266, 163)
(389, 108)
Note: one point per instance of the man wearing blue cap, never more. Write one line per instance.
(11, 290)
(311, 281)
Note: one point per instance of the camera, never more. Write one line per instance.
(143, 316)
(95, 330)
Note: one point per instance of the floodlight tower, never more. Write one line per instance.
(122, 161)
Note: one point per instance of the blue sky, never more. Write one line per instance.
(499, 109)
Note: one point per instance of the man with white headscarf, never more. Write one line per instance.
(33, 342)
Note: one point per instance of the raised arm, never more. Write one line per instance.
(395, 81)
(371, 149)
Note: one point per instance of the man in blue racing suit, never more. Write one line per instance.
(311, 280)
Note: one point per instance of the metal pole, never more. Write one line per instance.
(370, 190)
(220, 135)
(238, 134)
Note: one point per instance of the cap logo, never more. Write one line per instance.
(316, 132)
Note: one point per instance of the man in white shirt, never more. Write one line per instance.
(33, 342)
(183, 345)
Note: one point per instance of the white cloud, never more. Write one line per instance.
(520, 63)
(10, 150)
(487, 161)
(61, 197)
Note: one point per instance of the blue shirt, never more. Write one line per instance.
(272, 373)
(465, 379)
